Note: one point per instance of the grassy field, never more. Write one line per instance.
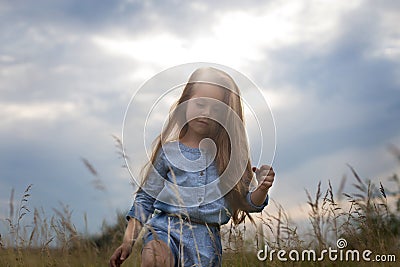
(363, 219)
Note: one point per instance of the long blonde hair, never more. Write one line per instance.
(239, 162)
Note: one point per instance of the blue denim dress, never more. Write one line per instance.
(191, 230)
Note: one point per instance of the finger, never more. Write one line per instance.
(258, 172)
(267, 184)
(271, 172)
(114, 260)
(268, 169)
(267, 181)
(265, 167)
(269, 178)
(124, 255)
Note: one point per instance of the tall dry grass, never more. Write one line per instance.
(364, 217)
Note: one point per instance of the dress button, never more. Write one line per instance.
(200, 199)
(201, 173)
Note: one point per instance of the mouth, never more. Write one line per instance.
(202, 122)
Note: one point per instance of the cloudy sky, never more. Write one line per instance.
(329, 70)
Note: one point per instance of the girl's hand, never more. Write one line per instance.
(120, 254)
(265, 177)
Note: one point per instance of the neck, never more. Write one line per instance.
(190, 139)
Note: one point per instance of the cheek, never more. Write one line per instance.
(189, 114)
(219, 117)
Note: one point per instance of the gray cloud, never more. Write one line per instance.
(62, 96)
(347, 93)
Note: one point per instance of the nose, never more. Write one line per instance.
(206, 111)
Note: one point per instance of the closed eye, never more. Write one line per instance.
(200, 105)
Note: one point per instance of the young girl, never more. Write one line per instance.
(198, 178)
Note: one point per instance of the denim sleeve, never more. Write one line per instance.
(142, 207)
(254, 208)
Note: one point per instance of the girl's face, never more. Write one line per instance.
(204, 109)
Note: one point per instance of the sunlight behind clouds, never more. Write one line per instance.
(235, 37)
(389, 47)
(157, 47)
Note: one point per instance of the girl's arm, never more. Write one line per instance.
(265, 176)
(131, 234)
(132, 231)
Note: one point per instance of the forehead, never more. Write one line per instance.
(208, 90)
